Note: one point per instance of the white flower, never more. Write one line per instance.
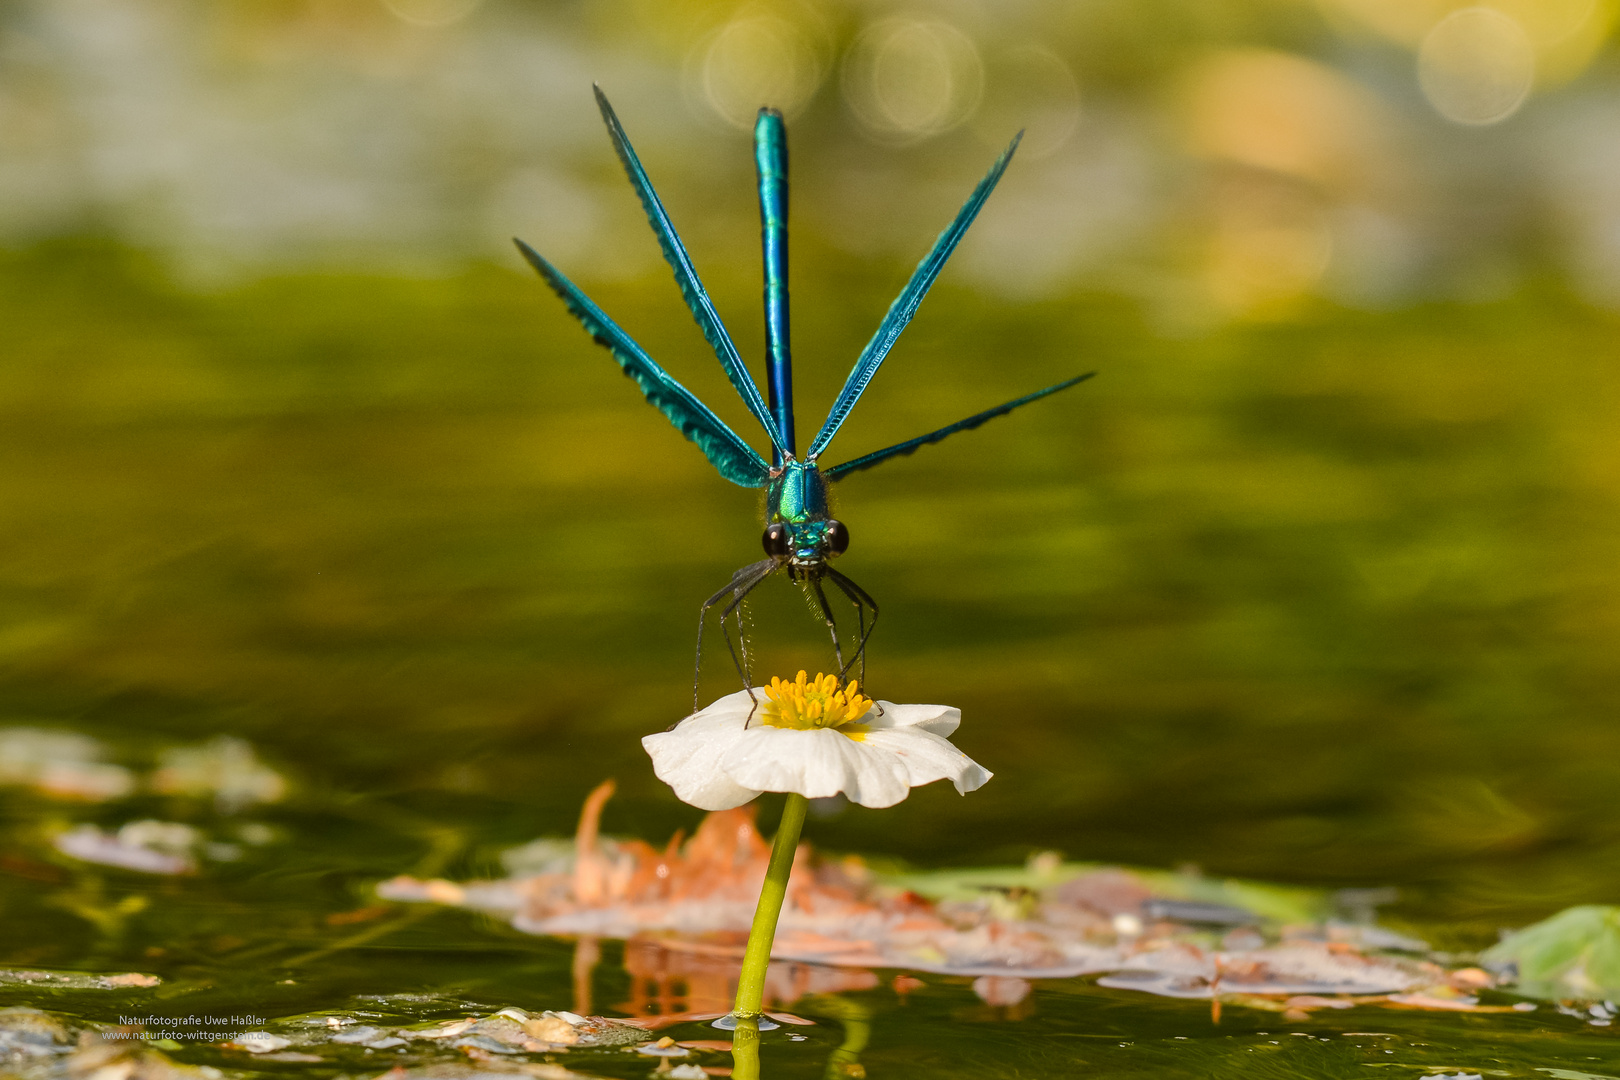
(814, 739)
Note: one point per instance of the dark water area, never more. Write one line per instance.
(1326, 602)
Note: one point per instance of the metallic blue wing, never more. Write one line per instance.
(735, 459)
(770, 157)
(905, 306)
(697, 299)
(910, 445)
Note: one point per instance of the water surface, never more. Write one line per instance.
(1325, 602)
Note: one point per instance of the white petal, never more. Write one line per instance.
(731, 711)
(688, 758)
(942, 720)
(816, 764)
(927, 757)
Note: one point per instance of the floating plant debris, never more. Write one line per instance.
(61, 763)
(1172, 935)
(148, 847)
(224, 768)
(72, 765)
(154, 847)
(26, 1033)
(1576, 953)
(258, 1042)
(77, 980)
(43, 1046)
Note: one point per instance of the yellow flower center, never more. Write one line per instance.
(807, 704)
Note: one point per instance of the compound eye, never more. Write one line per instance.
(777, 540)
(837, 536)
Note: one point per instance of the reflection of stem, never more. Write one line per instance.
(745, 1047)
(751, 983)
(366, 936)
(88, 901)
(844, 1063)
(443, 843)
(586, 954)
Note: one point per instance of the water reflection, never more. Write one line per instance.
(844, 1063)
(672, 980)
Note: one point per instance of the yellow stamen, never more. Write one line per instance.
(807, 704)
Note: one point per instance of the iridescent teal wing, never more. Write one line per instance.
(905, 306)
(736, 460)
(697, 298)
(877, 457)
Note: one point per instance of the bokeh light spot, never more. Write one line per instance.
(1270, 244)
(756, 61)
(1477, 66)
(1565, 35)
(907, 80)
(1282, 113)
(1032, 90)
(432, 12)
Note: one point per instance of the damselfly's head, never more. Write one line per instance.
(805, 543)
(800, 531)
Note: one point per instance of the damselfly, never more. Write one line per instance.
(801, 537)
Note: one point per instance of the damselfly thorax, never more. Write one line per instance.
(800, 539)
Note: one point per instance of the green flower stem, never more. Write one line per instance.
(745, 1049)
(751, 983)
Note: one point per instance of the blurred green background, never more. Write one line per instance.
(1315, 582)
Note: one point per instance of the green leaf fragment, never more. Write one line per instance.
(1575, 951)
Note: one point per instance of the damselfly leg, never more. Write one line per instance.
(832, 624)
(742, 583)
(862, 600)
